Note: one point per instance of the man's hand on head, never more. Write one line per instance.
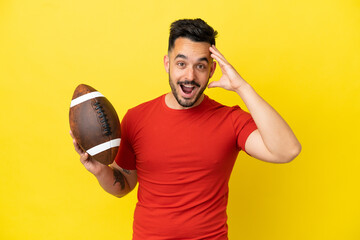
(230, 79)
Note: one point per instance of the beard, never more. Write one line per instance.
(186, 103)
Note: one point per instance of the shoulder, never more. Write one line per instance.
(142, 112)
(234, 114)
(214, 105)
(146, 106)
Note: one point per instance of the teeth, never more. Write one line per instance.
(189, 85)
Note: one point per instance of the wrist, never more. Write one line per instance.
(101, 170)
(242, 88)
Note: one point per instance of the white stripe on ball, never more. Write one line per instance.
(84, 98)
(104, 146)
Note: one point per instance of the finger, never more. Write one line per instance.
(221, 60)
(71, 134)
(84, 157)
(217, 53)
(78, 149)
(214, 52)
(214, 48)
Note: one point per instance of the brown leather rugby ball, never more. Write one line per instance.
(94, 124)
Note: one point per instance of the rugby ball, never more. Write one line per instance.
(94, 124)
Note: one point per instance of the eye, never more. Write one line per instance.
(201, 66)
(180, 64)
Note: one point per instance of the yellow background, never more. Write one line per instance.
(303, 57)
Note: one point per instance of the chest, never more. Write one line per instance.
(189, 143)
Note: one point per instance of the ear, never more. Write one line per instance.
(212, 69)
(166, 63)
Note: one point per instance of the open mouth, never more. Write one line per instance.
(188, 88)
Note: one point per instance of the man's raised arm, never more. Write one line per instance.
(274, 141)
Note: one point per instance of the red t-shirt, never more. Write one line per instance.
(183, 159)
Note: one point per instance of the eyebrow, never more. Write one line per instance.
(185, 57)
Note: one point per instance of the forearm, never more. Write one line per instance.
(113, 181)
(277, 136)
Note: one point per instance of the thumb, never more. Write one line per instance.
(214, 84)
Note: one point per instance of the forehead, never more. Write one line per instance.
(190, 49)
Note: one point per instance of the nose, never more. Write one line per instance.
(190, 74)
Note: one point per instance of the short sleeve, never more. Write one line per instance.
(125, 157)
(244, 125)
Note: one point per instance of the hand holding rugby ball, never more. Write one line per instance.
(94, 124)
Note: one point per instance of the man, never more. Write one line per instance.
(181, 147)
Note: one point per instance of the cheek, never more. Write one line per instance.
(204, 76)
(175, 73)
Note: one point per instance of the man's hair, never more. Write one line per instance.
(196, 30)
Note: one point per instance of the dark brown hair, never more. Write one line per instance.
(196, 30)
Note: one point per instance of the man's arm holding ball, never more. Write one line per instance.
(113, 179)
(273, 141)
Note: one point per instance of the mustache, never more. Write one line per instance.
(189, 82)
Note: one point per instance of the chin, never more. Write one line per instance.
(187, 103)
